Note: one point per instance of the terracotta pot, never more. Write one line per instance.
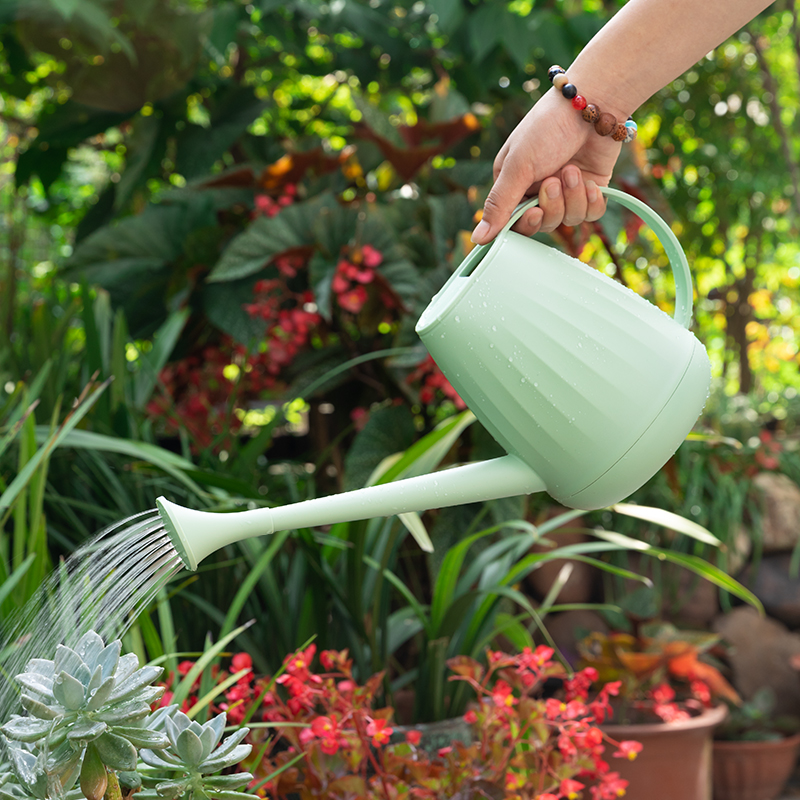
(753, 770)
(675, 762)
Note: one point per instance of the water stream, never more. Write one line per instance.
(103, 586)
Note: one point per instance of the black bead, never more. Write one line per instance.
(553, 71)
(569, 90)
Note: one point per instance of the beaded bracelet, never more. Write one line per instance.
(604, 123)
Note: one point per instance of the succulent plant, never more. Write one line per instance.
(194, 754)
(86, 711)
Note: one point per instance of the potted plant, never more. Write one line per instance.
(666, 701)
(527, 746)
(89, 731)
(755, 750)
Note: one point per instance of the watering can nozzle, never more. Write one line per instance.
(196, 534)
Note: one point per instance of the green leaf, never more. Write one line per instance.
(53, 441)
(417, 529)
(265, 238)
(94, 779)
(116, 752)
(388, 430)
(426, 454)
(669, 520)
(25, 729)
(199, 148)
(189, 748)
(185, 686)
(167, 461)
(69, 691)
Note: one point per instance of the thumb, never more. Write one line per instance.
(505, 195)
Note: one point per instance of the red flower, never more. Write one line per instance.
(471, 717)
(502, 695)
(326, 729)
(611, 787)
(663, 693)
(371, 257)
(379, 731)
(570, 789)
(353, 300)
(629, 750)
(701, 691)
(413, 737)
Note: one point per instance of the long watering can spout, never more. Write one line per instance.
(588, 387)
(196, 534)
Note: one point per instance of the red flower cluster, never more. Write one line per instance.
(267, 206)
(570, 745)
(354, 272)
(196, 391)
(290, 317)
(195, 394)
(235, 700)
(433, 384)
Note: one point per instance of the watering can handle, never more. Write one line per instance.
(670, 243)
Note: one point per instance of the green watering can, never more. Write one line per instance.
(587, 386)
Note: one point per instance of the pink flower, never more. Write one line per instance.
(502, 695)
(353, 300)
(629, 750)
(370, 256)
(570, 789)
(471, 717)
(663, 693)
(413, 737)
(379, 731)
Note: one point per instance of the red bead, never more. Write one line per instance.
(579, 102)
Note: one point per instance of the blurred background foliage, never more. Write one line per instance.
(237, 210)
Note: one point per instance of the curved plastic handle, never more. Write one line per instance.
(677, 258)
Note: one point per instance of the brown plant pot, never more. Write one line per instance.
(753, 770)
(675, 762)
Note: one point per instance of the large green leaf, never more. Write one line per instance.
(388, 430)
(266, 237)
(199, 147)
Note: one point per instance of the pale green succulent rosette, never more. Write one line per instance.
(194, 751)
(86, 711)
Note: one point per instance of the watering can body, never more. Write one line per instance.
(587, 386)
(590, 385)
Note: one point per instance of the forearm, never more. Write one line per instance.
(649, 43)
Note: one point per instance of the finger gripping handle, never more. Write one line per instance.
(677, 258)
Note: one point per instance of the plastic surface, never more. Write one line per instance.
(588, 383)
(588, 387)
(196, 534)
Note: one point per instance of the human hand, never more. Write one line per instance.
(554, 153)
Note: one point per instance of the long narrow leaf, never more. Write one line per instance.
(80, 410)
(669, 520)
(253, 577)
(185, 686)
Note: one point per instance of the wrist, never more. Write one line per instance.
(609, 91)
(604, 120)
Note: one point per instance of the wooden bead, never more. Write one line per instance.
(560, 80)
(591, 113)
(605, 124)
(620, 132)
(553, 71)
(569, 90)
